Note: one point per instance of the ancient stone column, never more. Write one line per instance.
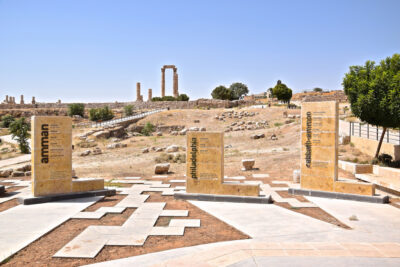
(138, 96)
(22, 100)
(176, 93)
(7, 99)
(33, 100)
(150, 95)
(162, 82)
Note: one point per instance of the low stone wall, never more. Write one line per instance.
(369, 146)
(200, 103)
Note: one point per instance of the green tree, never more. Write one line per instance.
(128, 110)
(221, 92)
(156, 99)
(183, 97)
(103, 114)
(238, 90)
(6, 120)
(374, 93)
(19, 130)
(282, 92)
(76, 109)
(148, 129)
(317, 89)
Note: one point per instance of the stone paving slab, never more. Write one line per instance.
(255, 253)
(177, 181)
(237, 177)
(21, 225)
(98, 213)
(185, 222)
(135, 229)
(176, 213)
(160, 176)
(86, 245)
(260, 175)
(160, 186)
(170, 230)
(180, 187)
(131, 178)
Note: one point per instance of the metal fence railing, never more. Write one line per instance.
(115, 121)
(374, 132)
(128, 118)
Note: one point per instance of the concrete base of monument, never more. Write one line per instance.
(2, 189)
(335, 195)
(224, 198)
(50, 198)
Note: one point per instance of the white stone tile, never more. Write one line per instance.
(132, 178)
(86, 245)
(179, 230)
(127, 240)
(185, 222)
(160, 176)
(160, 186)
(177, 181)
(237, 177)
(181, 213)
(88, 215)
(260, 175)
(111, 209)
(180, 188)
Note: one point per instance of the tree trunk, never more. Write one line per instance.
(380, 143)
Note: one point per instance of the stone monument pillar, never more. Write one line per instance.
(33, 100)
(138, 96)
(7, 99)
(150, 95)
(162, 82)
(176, 93)
(22, 100)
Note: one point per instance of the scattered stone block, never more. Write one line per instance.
(162, 168)
(145, 150)
(172, 148)
(97, 151)
(85, 153)
(248, 164)
(18, 174)
(6, 173)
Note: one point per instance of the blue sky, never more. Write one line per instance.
(94, 50)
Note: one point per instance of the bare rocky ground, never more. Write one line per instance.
(278, 157)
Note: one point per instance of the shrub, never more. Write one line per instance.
(148, 129)
(103, 114)
(171, 158)
(156, 99)
(76, 109)
(183, 97)
(128, 110)
(278, 124)
(168, 98)
(19, 130)
(6, 120)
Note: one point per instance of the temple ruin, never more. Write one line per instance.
(175, 80)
